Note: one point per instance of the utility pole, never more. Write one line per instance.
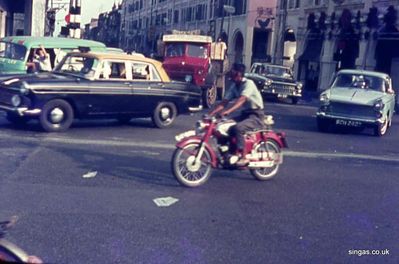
(279, 45)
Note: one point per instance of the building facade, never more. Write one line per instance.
(246, 26)
(320, 37)
(106, 28)
(22, 17)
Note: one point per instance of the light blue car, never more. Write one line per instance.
(358, 99)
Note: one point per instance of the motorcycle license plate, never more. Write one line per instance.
(184, 135)
(351, 123)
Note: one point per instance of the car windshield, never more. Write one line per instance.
(359, 81)
(197, 51)
(174, 50)
(12, 51)
(263, 69)
(78, 65)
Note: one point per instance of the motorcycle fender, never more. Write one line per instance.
(197, 140)
(279, 138)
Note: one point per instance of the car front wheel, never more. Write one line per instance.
(164, 115)
(56, 116)
(381, 129)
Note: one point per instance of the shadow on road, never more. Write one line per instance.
(131, 166)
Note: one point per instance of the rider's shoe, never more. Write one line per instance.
(242, 162)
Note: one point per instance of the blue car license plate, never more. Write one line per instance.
(351, 123)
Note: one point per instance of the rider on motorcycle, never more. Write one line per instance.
(248, 97)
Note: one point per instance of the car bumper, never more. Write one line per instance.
(196, 109)
(280, 93)
(362, 120)
(21, 111)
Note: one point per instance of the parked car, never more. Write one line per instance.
(88, 85)
(276, 81)
(16, 51)
(358, 99)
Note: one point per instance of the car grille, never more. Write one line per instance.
(283, 88)
(351, 109)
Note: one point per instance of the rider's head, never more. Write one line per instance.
(237, 72)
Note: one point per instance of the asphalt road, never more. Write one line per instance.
(335, 193)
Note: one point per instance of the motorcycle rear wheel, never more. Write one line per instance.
(270, 148)
(186, 171)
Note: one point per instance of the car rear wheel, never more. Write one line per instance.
(164, 115)
(381, 129)
(209, 96)
(56, 116)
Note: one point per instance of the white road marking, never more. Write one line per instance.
(166, 146)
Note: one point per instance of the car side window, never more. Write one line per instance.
(141, 71)
(113, 70)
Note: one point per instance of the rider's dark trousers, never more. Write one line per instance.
(248, 120)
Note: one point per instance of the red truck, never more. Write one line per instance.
(192, 57)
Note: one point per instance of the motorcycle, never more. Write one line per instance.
(210, 147)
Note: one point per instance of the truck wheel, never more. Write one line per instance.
(164, 115)
(56, 116)
(209, 96)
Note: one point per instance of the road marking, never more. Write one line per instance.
(165, 146)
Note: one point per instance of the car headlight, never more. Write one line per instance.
(24, 88)
(299, 86)
(378, 105)
(188, 78)
(16, 100)
(324, 98)
(268, 82)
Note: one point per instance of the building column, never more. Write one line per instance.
(35, 15)
(247, 49)
(327, 65)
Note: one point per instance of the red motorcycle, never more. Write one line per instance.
(210, 146)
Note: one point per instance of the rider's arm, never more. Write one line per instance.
(219, 107)
(241, 100)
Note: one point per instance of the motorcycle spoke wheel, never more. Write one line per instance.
(185, 168)
(268, 150)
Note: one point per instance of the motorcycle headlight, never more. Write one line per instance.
(324, 98)
(16, 100)
(378, 105)
(188, 78)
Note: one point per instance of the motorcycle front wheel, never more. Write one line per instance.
(186, 170)
(268, 150)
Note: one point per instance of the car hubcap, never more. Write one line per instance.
(56, 115)
(212, 95)
(165, 114)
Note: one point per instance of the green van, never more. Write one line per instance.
(16, 51)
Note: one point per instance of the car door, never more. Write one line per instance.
(110, 91)
(147, 87)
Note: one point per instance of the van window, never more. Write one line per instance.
(12, 51)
